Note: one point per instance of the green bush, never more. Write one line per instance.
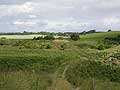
(49, 37)
(62, 46)
(48, 46)
(104, 46)
(109, 30)
(116, 55)
(38, 38)
(3, 38)
(75, 37)
(34, 38)
(92, 69)
(112, 40)
(101, 47)
(46, 63)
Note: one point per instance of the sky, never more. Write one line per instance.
(59, 15)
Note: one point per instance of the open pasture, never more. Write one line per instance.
(27, 64)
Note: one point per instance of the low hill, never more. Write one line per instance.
(99, 36)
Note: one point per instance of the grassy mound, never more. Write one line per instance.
(100, 36)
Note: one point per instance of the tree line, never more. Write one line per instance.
(47, 33)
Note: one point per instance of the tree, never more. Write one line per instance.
(75, 37)
(34, 38)
(84, 32)
(109, 30)
(49, 37)
(38, 38)
(24, 31)
(92, 31)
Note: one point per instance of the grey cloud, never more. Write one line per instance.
(8, 2)
(59, 15)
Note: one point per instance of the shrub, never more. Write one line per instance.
(34, 38)
(49, 37)
(101, 47)
(62, 46)
(38, 38)
(92, 69)
(75, 37)
(48, 46)
(3, 38)
(116, 55)
(92, 31)
(112, 40)
(109, 30)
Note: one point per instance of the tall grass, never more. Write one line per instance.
(71, 65)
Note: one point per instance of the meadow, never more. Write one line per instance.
(25, 36)
(85, 64)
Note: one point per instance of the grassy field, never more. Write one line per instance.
(99, 36)
(20, 36)
(24, 36)
(59, 64)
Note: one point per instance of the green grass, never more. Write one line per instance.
(100, 36)
(24, 36)
(28, 65)
(20, 36)
(24, 81)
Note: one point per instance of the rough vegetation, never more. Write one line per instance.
(88, 63)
